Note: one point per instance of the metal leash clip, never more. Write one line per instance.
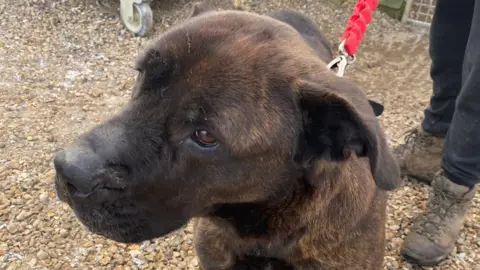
(342, 61)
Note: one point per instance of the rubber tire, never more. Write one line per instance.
(146, 20)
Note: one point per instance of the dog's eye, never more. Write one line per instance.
(204, 139)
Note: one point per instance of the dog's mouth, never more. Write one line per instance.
(117, 226)
(114, 214)
(125, 225)
(118, 220)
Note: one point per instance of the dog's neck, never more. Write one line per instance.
(270, 217)
(336, 204)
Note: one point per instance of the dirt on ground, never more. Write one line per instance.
(66, 65)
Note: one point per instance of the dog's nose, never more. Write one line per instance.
(78, 167)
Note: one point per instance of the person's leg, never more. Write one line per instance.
(435, 232)
(420, 156)
(448, 39)
(461, 158)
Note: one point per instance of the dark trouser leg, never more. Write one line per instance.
(461, 158)
(448, 39)
(454, 111)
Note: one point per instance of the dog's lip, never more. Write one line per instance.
(60, 191)
(62, 197)
(130, 235)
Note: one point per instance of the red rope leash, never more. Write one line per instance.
(353, 34)
(357, 24)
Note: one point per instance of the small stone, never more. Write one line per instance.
(96, 93)
(461, 256)
(105, 260)
(185, 247)
(2, 145)
(43, 197)
(112, 249)
(50, 138)
(118, 259)
(454, 250)
(23, 215)
(29, 138)
(63, 233)
(150, 257)
(52, 253)
(32, 262)
(133, 247)
(138, 261)
(13, 266)
(12, 228)
(134, 253)
(57, 266)
(42, 255)
(394, 228)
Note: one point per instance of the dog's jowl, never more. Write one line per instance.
(235, 122)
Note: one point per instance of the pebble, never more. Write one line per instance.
(63, 233)
(42, 255)
(394, 227)
(12, 228)
(43, 197)
(23, 215)
(461, 256)
(105, 260)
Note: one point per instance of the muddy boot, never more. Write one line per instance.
(435, 232)
(421, 154)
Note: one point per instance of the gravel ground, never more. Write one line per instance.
(66, 65)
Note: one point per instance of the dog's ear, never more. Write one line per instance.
(199, 8)
(338, 124)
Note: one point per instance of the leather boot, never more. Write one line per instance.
(434, 233)
(421, 155)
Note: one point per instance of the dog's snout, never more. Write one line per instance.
(78, 168)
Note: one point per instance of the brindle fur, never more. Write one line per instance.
(300, 176)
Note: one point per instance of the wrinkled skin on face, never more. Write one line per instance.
(230, 110)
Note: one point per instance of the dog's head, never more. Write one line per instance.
(228, 107)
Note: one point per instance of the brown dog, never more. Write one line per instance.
(236, 121)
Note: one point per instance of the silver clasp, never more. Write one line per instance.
(342, 61)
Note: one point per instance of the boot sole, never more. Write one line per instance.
(428, 263)
(418, 178)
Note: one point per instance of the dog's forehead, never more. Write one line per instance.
(215, 33)
(230, 62)
(214, 49)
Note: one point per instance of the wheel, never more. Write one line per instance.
(142, 21)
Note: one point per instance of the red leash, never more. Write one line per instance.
(353, 34)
